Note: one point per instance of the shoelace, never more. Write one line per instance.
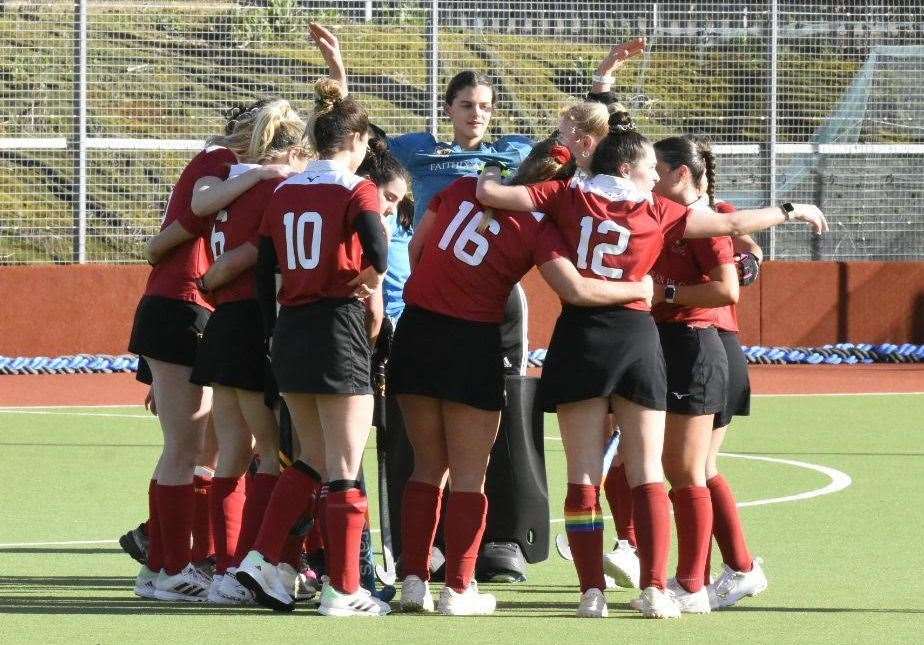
(728, 582)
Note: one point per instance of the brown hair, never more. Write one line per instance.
(693, 152)
(540, 165)
(623, 144)
(381, 167)
(467, 78)
(336, 116)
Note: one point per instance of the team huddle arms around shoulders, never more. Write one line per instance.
(287, 241)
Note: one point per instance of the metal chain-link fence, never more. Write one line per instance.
(103, 101)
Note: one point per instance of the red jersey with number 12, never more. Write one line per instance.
(612, 230)
(468, 274)
(310, 219)
(175, 276)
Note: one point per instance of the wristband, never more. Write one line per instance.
(788, 211)
(604, 80)
(670, 293)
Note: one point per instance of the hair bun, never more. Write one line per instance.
(327, 92)
(378, 145)
(620, 121)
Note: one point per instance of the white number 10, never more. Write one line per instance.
(600, 250)
(295, 239)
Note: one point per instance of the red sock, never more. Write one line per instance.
(693, 516)
(259, 491)
(155, 542)
(651, 508)
(226, 500)
(466, 514)
(584, 525)
(420, 513)
(292, 497)
(727, 526)
(707, 570)
(619, 497)
(175, 506)
(292, 551)
(314, 542)
(345, 519)
(320, 515)
(203, 544)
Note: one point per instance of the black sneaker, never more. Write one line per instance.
(501, 562)
(135, 544)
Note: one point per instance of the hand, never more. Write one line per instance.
(748, 268)
(648, 286)
(811, 214)
(366, 283)
(657, 296)
(329, 47)
(619, 55)
(149, 403)
(276, 171)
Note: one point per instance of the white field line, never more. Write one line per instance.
(839, 481)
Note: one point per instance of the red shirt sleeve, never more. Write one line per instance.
(365, 199)
(712, 252)
(546, 195)
(549, 245)
(216, 163)
(724, 207)
(434, 204)
(672, 218)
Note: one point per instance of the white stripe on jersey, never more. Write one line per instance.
(324, 171)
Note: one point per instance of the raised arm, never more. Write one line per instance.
(211, 194)
(228, 266)
(168, 239)
(573, 288)
(720, 291)
(702, 223)
(614, 60)
(492, 193)
(329, 47)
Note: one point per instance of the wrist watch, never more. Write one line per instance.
(670, 293)
(788, 211)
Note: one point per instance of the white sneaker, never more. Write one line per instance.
(623, 565)
(144, 583)
(655, 603)
(226, 590)
(189, 585)
(733, 585)
(696, 602)
(415, 595)
(468, 603)
(593, 604)
(288, 576)
(359, 603)
(262, 579)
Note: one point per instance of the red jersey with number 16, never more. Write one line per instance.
(175, 276)
(310, 219)
(237, 225)
(468, 274)
(612, 230)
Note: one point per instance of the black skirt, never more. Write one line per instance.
(232, 351)
(738, 396)
(168, 330)
(322, 348)
(601, 351)
(697, 371)
(447, 358)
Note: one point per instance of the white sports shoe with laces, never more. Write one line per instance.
(226, 590)
(655, 603)
(468, 603)
(262, 579)
(415, 595)
(622, 564)
(358, 603)
(593, 604)
(189, 585)
(144, 583)
(696, 602)
(733, 585)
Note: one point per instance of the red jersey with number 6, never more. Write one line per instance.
(237, 225)
(310, 219)
(612, 230)
(175, 276)
(466, 273)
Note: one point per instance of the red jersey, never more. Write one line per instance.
(310, 219)
(175, 276)
(727, 316)
(612, 230)
(690, 262)
(469, 274)
(237, 225)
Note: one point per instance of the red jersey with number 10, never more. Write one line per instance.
(175, 276)
(310, 219)
(468, 274)
(237, 225)
(612, 230)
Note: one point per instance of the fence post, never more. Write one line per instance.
(80, 100)
(772, 160)
(433, 69)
